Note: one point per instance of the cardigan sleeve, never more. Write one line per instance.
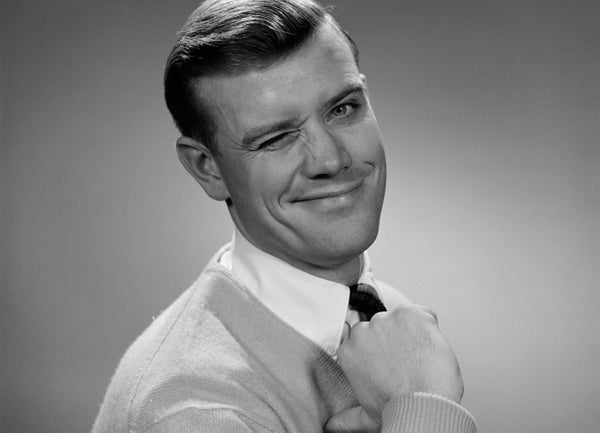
(426, 413)
(195, 420)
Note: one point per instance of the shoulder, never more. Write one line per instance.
(186, 354)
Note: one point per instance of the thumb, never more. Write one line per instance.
(353, 420)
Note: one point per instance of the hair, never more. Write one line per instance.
(232, 37)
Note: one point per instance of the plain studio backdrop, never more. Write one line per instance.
(489, 112)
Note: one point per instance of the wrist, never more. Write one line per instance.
(423, 412)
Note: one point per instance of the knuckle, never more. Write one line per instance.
(400, 312)
(358, 329)
(427, 309)
(407, 313)
(406, 306)
(377, 318)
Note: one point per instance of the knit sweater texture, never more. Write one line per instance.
(217, 360)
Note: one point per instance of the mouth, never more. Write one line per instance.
(339, 191)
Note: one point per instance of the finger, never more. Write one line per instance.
(352, 420)
(346, 332)
(353, 331)
(428, 311)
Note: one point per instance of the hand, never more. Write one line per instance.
(396, 353)
(353, 420)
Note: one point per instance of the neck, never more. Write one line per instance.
(346, 272)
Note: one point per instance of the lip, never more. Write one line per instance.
(330, 192)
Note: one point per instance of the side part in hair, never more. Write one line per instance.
(232, 37)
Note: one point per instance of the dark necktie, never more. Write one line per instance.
(364, 299)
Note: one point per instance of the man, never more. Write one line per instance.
(276, 121)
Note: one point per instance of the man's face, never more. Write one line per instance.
(300, 154)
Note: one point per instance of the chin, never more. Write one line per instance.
(345, 246)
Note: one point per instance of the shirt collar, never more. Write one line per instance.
(313, 306)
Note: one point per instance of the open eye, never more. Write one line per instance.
(344, 110)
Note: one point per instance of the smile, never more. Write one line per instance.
(339, 192)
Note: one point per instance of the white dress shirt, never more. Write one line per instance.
(315, 307)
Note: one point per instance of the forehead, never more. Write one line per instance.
(291, 88)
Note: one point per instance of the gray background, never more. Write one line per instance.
(489, 111)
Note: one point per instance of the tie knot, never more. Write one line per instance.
(364, 299)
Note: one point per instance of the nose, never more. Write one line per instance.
(326, 154)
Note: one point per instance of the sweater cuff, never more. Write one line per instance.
(426, 413)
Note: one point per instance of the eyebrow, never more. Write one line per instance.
(260, 131)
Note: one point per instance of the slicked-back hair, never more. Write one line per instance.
(231, 37)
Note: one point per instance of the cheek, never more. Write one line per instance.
(366, 139)
(369, 148)
(257, 186)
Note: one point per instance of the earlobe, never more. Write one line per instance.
(200, 162)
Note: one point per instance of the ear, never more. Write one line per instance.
(200, 162)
